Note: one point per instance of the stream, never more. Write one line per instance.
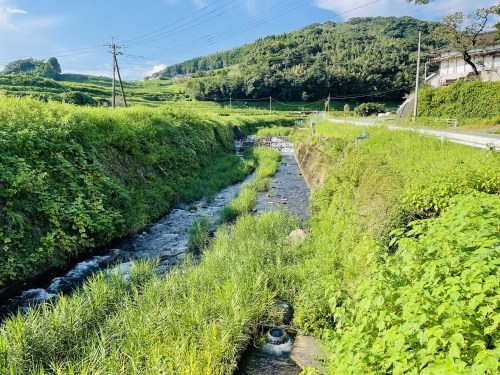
(166, 239)
(288, 189)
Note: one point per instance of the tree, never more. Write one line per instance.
(23, 66)
(50, 69)
(466, 32)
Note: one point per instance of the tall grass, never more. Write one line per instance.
(268, 161)
(75, 178)
(374, 190)
(195, 320)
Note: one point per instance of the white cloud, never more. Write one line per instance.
(156, 69)
(18, 20)
(6, 15)
(15, 10)
(432, 11)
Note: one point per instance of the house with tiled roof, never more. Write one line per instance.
(452, 66)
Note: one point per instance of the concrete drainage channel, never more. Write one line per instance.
(282, 350)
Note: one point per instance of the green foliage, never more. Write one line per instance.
(195, 320)
(199, 235)
(431, 308)
(200, 65)
(78, 98)
(275, 131)
(23, 66)
(368, 109)
(373, 299)
(267, 161)
(461, 100)
(47, 69)
(360, 56)
(73, 178)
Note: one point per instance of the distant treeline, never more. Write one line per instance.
(375, 57)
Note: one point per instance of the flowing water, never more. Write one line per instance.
(288, 190)
(269, 359)
(167, 240)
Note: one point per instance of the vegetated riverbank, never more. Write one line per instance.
(418, 299)
(402, 268)
(196, 320)
(73, 179)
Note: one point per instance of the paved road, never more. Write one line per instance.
(480, 140)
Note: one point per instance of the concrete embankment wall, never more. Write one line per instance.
(313, 163)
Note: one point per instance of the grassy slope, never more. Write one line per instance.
(153, 93)
(74, 178)
(360, 304)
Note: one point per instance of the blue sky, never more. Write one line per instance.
(161, 32)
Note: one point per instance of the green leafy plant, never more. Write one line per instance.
(368, 109)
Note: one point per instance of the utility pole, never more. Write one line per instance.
(417, 82)
(121, 83)
(270, 104)
(329, 99)
(114, 51)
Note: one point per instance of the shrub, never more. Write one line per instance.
(479, 100)
(78, 98)
(368, 109)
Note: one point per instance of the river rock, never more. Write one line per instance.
(297, 237)
(284, 309)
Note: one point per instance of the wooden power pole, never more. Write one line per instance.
(114, 52)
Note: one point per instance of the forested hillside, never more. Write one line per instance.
(375, 57)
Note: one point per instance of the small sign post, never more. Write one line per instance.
(347, 108)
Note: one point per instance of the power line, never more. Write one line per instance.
(217, 13)
(232, 31)
(236, 29)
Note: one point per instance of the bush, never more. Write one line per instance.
(368, 109)
(78, 98)
(429, 308)
(389, 295)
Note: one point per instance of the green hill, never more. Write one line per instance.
(364, 57)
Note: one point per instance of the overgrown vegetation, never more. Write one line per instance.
(197, 319)
(432, 307)
(368, 109)
(468, 101)
(268, 161)
(72, 179)
(388, 296)
(398, 275)
(275, 131)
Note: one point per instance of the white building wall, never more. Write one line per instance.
(453, 67)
